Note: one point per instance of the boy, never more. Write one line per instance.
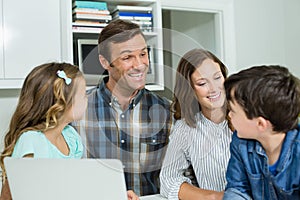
(264, 106)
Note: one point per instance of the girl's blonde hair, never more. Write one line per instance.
(43, 100)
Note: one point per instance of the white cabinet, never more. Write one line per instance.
(1, 43)
(154, 39)
(31, 35)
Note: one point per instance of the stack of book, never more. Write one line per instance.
(140, 15)
(90, 16)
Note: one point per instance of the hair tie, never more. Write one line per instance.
(62, 74)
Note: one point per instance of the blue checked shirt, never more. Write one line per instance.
(138, 136)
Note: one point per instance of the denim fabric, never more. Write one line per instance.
(248, 175)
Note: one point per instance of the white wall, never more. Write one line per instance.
(267, 32)
(8, 102)
(292, 35)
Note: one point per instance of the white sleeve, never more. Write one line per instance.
(175, 162)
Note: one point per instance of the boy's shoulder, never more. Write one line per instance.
(244, 145)
(297, 133)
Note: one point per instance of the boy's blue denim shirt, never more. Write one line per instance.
(248, 175)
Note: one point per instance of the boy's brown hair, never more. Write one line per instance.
(271, 92)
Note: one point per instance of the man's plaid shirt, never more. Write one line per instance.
(138, 136)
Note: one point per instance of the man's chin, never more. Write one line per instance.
(140, 86)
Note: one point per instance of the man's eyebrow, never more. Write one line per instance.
(129, 51)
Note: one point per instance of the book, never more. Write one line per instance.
(142, 23)
(134, 14)
(137, 18)
(92, 16)
(132, 8)
(90, 11)
(90, 4)
(86, 29)
(83, 23)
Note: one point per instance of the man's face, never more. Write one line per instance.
(129, 63)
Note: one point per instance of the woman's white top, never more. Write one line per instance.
(205, 147)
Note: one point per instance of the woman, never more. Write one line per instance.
(201, 135)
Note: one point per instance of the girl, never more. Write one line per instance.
(52, 96)
(201, 135)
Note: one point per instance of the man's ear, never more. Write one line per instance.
(263, 124)
(104, 62)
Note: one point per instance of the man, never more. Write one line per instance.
(123, 119)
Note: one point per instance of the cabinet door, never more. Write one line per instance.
(31, 35)
(1, 43)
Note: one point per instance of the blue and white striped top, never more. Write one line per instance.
(206, 147)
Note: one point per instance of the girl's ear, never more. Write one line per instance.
(104, 62)
(263, 124)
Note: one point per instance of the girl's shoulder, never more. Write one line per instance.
(70, 132)
(31, 135)
(74, 142)
(29, 142)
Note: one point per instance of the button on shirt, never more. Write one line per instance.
(137, 135)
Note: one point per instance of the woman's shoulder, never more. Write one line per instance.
(182, 125)
(181, 129)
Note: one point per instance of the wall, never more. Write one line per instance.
(8, 102)
(267, 32)
(292, 34)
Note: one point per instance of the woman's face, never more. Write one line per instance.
(208, 82)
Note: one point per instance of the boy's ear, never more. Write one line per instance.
(104, 62)
(263, 124)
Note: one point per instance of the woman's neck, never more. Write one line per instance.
(217, 115)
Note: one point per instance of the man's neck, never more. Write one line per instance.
(124, 96)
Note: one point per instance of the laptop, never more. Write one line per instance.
(64, 179)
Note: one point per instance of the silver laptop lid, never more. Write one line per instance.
(55, 179)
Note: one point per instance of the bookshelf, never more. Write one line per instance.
(153, 36)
